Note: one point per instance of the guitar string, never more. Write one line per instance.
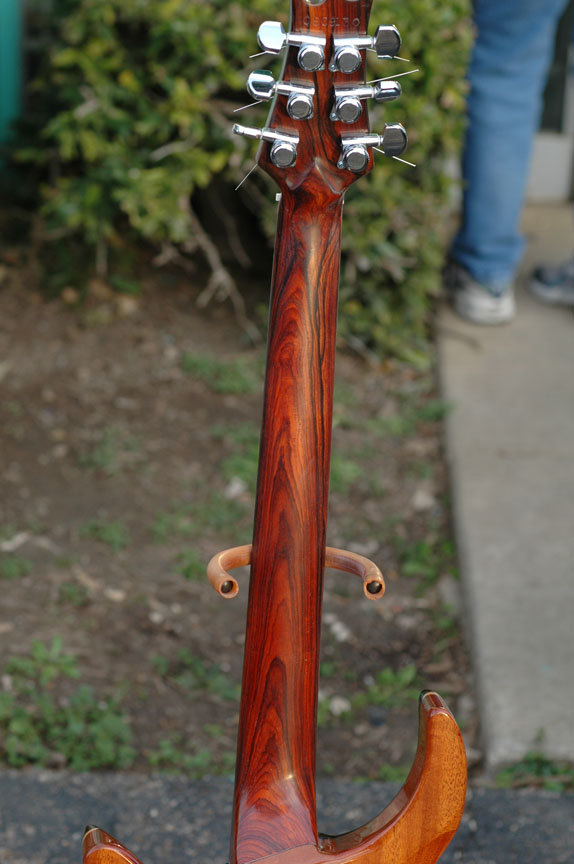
(389, 77)
(396, 57)
(398, 159)
(251, 170)
(412, 164)
(243, 107)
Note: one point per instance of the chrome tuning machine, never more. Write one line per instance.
(283, 151)
(262, 86)
(348, 108)
(354, 148)
(273, 38)
(347, 50)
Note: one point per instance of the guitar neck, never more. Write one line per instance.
(275, 780)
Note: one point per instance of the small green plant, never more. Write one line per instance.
(191, 519)
(393, 773)
(537, 770)
(14, 567)
(160, 664)
(111, 452)
(81, 731)
(446, 630)
(170, 756)
(412, 412)
(191, 565)
(328, 669)
(220, 376)
(420, 468)
(72, 594)
(7, 530)
(242, 440)
(427, 559)
(191, 673)
(345, 401)
(113, 534)
(242, 465)
(391, 689)
(175, 522)
(345, 472)
(324, 716)
(44, 664)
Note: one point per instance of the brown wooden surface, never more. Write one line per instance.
(414, 828)
(274, 807)
(419, 823)
(101, 848)
(275, 779)
(337, 559)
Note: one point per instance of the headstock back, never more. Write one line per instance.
(333, 145)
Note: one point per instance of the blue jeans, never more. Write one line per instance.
(507, 74)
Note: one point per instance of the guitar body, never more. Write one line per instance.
(274, 815)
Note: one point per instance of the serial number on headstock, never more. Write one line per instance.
(334, 22)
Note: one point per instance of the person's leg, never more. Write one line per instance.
(511, 56)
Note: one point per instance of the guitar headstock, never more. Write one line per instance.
(317, 131)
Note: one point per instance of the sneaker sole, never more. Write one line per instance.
(502, 314)
(551, 295)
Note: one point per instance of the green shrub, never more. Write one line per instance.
(136, 104)
(81, 732)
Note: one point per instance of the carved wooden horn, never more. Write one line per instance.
(101, 848)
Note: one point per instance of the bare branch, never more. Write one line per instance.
(221, 284)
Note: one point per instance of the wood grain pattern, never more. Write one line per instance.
(275, 779)
(415, 828)
(101, 848)
(274, 805)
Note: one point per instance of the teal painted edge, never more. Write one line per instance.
(10, 64)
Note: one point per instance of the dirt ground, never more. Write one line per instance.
(128, 430)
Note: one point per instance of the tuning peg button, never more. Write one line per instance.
(283, 152)
(387, 41)
(348, 106)
(300, 106)
(262, 86)
(394, 139)
(354, 157)
(273, 38)
(346, 56)
(354, 149)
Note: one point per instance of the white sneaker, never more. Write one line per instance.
(554, 284)
(475, 302)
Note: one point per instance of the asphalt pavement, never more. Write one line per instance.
(171, 820)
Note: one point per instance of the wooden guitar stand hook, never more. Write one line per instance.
(337, 559)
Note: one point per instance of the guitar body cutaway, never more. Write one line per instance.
(415, 828)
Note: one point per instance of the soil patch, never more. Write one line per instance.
(128, 434)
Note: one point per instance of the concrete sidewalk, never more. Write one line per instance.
(510, 445)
